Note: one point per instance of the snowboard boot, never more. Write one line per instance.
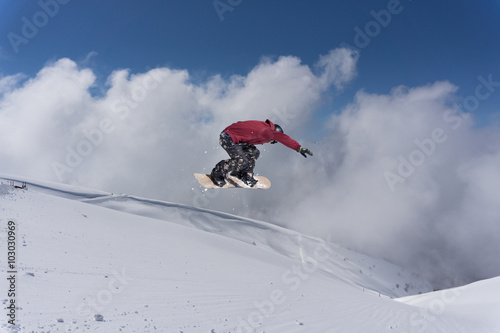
(249, 180)
(245, 178)
(218, 179)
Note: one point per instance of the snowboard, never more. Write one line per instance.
(231, 181)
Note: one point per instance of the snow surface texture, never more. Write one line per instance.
(94, 261)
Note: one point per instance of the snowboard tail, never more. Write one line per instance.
(206, 181)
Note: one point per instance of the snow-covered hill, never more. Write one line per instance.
(93, 261)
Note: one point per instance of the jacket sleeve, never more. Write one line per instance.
(286, 140)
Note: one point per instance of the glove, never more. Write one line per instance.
(305, 151)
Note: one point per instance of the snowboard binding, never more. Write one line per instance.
(207, 181)
(245, 177)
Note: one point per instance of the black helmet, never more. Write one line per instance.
(277, 128)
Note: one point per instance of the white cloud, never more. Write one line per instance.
(149, 128)
(338, 67)
(38, 117)
(440, 218)
(7, 83)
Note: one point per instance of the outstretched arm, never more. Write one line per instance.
(290, 143)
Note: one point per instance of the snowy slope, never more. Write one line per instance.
(478, 301)
(92, 261)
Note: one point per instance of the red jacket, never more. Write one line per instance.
(257, 132)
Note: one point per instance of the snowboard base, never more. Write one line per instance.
(231, 181)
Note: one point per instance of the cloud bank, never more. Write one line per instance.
(149, 131)
(405, 176)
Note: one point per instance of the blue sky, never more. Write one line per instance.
(424, 41)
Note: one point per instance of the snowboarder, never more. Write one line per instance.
(239, 140)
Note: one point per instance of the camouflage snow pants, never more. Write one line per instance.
(242, 157)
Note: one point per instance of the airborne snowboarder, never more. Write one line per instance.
(239, 140)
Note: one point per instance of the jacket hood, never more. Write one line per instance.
(271, 124)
